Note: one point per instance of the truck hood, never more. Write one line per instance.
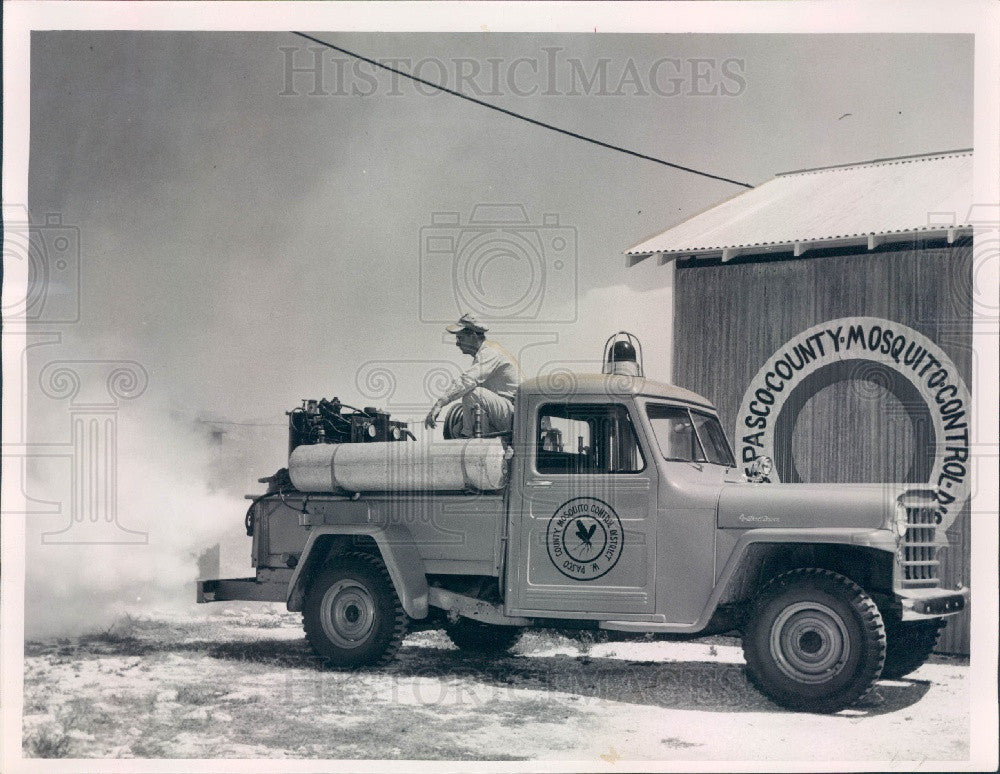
(755, 506)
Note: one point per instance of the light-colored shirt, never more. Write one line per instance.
(493, 368)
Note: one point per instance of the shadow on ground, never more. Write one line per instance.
(703, 685)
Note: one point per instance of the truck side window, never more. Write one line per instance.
(586, 438)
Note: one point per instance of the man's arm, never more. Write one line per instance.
(431, 418)
(484, 363)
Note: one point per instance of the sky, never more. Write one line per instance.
(252, 236)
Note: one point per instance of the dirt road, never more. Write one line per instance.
(243, 684)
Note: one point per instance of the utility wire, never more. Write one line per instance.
(523, 117)
(241, 424)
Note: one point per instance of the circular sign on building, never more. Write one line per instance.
(584, 538)
(919, 373)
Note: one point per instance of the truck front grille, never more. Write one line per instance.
(920, 562)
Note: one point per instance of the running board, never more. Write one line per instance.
(648, 626)
(460, 605)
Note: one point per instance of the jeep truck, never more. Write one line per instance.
(620, 508)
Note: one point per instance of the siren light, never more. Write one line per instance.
(622, 355)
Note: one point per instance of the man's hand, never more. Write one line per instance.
(431, 420)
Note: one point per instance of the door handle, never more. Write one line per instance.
(540, 482)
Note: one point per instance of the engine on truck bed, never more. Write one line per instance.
(330, 421)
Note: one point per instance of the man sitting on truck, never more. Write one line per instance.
(490, 383)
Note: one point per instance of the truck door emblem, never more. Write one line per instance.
(584, 538)
(585, 533)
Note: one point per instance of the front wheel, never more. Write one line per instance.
(815, 641)
(352, 616)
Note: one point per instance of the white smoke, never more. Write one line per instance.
(166, 489)
(181, 477)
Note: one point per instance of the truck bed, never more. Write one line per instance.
(456, 533)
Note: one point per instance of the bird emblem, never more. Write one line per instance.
(585, 533)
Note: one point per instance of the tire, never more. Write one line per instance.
(909, 644)
(487, 639)
(814, 641)
(352, 616)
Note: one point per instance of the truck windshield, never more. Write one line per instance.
(691, 436)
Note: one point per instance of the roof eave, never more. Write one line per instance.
(799, 246)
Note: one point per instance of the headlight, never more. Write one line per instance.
(760, 469)
(902, 521)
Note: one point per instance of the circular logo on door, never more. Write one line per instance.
(584, 538)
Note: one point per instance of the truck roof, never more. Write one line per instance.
(563, 384)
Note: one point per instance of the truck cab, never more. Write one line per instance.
(614, 503)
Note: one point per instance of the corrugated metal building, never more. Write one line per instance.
(815, 308)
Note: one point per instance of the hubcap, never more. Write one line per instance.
(809, 642)
(347, 613)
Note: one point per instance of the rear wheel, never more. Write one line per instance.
(815, 641)
(476, 637)
(352, 616)
(909, 644)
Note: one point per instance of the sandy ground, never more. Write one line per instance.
(242, 683)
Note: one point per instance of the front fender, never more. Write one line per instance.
(737, 569)
(736, 575)
(400, 555)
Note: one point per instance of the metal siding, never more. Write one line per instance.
(878, 198)
(729, 319)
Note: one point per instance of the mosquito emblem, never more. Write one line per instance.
(584, 538)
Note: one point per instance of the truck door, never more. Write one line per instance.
(584, 539)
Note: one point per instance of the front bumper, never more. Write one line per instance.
(922, 604)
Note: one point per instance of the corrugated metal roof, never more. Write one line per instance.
(855, 202)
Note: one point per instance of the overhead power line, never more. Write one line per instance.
(521, 116)
(241, 424)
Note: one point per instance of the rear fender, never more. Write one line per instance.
(394, 544)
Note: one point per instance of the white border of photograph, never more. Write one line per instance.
(981, 19)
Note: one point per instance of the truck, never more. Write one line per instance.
(614, 504)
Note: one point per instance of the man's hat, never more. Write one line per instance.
(466, 322)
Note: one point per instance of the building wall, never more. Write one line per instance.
(857, 423)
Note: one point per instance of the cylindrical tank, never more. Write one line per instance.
(467, 463)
